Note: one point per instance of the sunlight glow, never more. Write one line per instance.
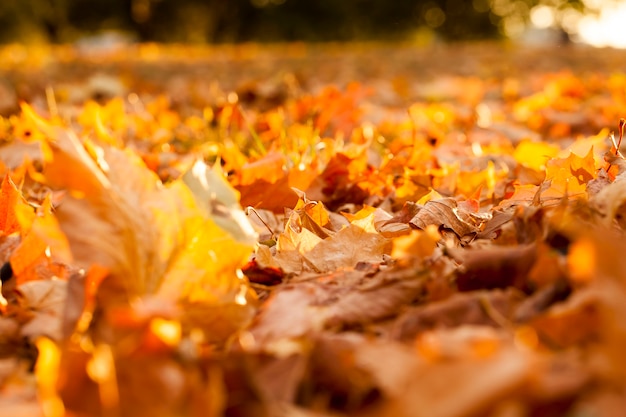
(169, 331)
(241, 297)
(47, 371)
(606, 30)
(542, 16)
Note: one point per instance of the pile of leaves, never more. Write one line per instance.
(451, 248)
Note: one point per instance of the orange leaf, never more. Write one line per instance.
(10, 196)
(269, 168)
(30, 253)
(265, 184)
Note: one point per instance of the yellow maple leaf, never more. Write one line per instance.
(534, 155)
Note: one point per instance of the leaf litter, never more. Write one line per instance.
(312, 243)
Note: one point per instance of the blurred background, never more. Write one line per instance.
(598, 22)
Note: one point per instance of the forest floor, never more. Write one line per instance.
(312, 230)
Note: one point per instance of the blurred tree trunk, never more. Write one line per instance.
(188, 20)
(49, 16)
(55, 21)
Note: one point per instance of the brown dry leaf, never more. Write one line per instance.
(450, 214)
(351, 373)
(7, 246)
(45, 300)
(288, 313)
(493, 308)
(18, 153)
(480, 371)
(403, 216)
(278, 378)
(340, 299)
(335, 377)
(378, 297)
(392, 365)
(494, 267)
(358, 242)
(266, 224)
(542, 299)
(610, 202)
(391, 226)
(574, 321)
(292, 246)
(298, 248)
(597, 184)
(493, 226)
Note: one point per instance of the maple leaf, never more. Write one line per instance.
(265, 184)
(535, 155)
(104, 224)
(565, 177)
(450, 214)
(167, 251)
(46, 300)
(44, 250)
(299, 248)
(152, 239)
(569, 176)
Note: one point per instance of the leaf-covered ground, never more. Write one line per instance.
(297, 230)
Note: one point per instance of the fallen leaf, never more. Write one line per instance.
(448, 213)
(475, 382)
(494, 267)
(299, 248)
(9, 198)
(46, 302)
(340, 299)
(493, 308)
(418, 243)
(571, 322)
(535, 155)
